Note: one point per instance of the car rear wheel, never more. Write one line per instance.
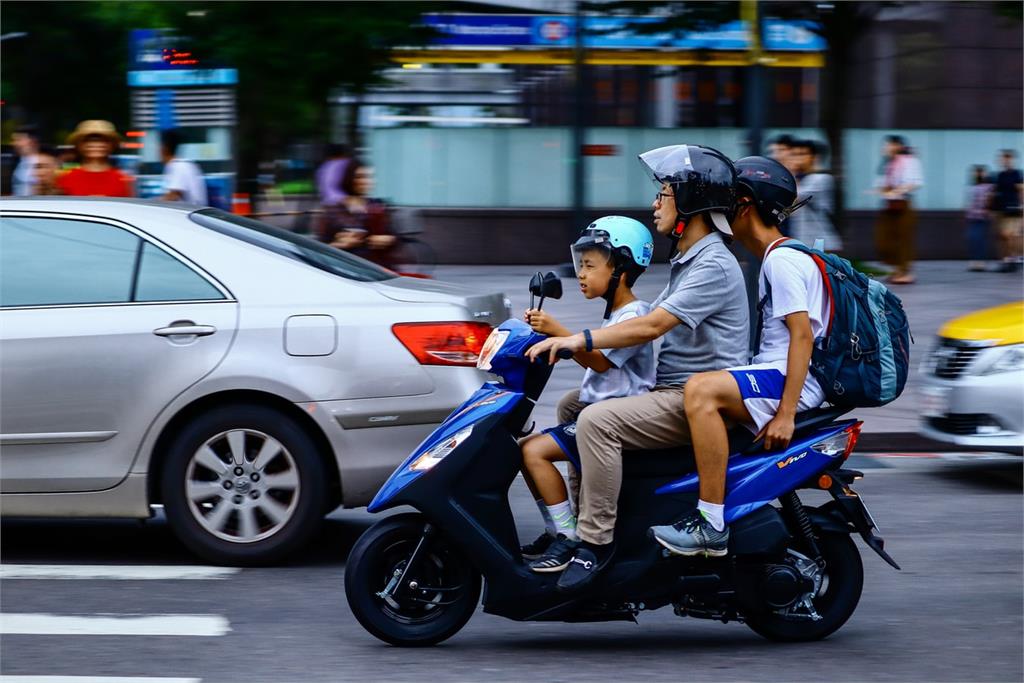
(243, 485)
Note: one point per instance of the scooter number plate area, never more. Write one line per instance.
(867, 513)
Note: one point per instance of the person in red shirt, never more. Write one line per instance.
(95, 141)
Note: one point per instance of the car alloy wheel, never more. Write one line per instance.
(242, 485)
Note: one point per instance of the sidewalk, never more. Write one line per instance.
(944, 290)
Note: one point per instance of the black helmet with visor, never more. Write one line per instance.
(771, 186)
(703, 180)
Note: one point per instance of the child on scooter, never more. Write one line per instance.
(609, 256)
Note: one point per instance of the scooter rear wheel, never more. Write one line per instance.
(437, 596)
(835, 602)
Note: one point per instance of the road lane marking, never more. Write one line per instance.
(114, 572)
(111, 625)
(95, 679)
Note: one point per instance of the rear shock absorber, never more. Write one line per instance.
(791, 503)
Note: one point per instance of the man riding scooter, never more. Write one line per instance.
(702, 319)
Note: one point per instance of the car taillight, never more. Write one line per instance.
(452, 343)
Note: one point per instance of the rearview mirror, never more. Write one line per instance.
(546, 286)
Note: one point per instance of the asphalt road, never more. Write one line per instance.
(953, 613)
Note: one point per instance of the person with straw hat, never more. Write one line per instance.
(95, 141)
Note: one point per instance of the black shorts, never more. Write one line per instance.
(565, 436)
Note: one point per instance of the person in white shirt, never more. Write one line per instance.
(183, 179)
(609, 257)
(766, 395)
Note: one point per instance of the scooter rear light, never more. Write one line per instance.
(840, 445)
(443, 343)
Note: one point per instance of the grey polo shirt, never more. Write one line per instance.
(707, 293)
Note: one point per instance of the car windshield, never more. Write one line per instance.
(296, 247)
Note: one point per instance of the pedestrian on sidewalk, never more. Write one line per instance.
(360, 224)
(979, 223)
(330, 174)
(1007, 202)
(896, 228)
(183, 179)
(816, 185)
(26, 145)
(95, 142)
(45, 172)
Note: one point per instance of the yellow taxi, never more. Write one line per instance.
(973, 395)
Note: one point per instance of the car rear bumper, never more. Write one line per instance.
(371, 437)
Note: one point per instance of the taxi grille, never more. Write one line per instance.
(951, 359)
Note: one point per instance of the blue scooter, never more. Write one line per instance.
(793, 573)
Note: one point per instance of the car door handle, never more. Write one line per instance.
(185, 330)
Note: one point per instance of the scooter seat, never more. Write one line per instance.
(679, 461)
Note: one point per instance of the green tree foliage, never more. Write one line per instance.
(72, 64)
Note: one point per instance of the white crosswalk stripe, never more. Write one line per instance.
(162, 625)
(114, 572)
(114, 625)
(94, 679)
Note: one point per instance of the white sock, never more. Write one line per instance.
(715, 514)
(565, 521)
(549, 524)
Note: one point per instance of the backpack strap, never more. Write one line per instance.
(822, 267)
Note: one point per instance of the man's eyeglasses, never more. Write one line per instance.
(661, 196)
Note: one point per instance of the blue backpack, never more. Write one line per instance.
(864, 356)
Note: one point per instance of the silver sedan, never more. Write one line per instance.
(247, 379)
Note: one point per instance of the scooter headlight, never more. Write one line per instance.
(491, 348)
(438, 452)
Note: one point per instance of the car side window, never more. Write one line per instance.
(164, 278)
(51, 261)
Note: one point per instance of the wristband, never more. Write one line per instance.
(589, 340)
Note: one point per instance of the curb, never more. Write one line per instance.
(901, 442)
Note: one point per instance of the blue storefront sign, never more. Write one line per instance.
(524, 30)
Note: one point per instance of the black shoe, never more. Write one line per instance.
(534, 550)
(556, 557)
(585, 565)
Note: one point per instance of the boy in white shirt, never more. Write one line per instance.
(609, 257)
(767, 395)
(183, 179)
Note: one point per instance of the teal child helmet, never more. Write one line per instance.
(629, 245)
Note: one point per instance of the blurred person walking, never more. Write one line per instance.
(95, 142)
(897, 221)
(45, 172)
(979, 199)
(1007, 201)
(26, 145)
(330, 174)
(360, 224)
(183, 179)
(815, 185)
(780, 147)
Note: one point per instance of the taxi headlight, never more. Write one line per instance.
(1008, 359)
(438, 452)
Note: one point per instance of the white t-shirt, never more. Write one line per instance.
(797, 285)
(633, 372)
(185, 177)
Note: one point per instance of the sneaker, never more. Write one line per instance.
(556, 557)
(534, 550)
(586, 563)
(692, 535)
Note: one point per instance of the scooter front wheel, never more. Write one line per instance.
(407, 587)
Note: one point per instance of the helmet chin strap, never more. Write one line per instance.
(677, 234)
(613, 286)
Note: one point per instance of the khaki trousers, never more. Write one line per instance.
(568, 410)
(603, 430)
(895, 235)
